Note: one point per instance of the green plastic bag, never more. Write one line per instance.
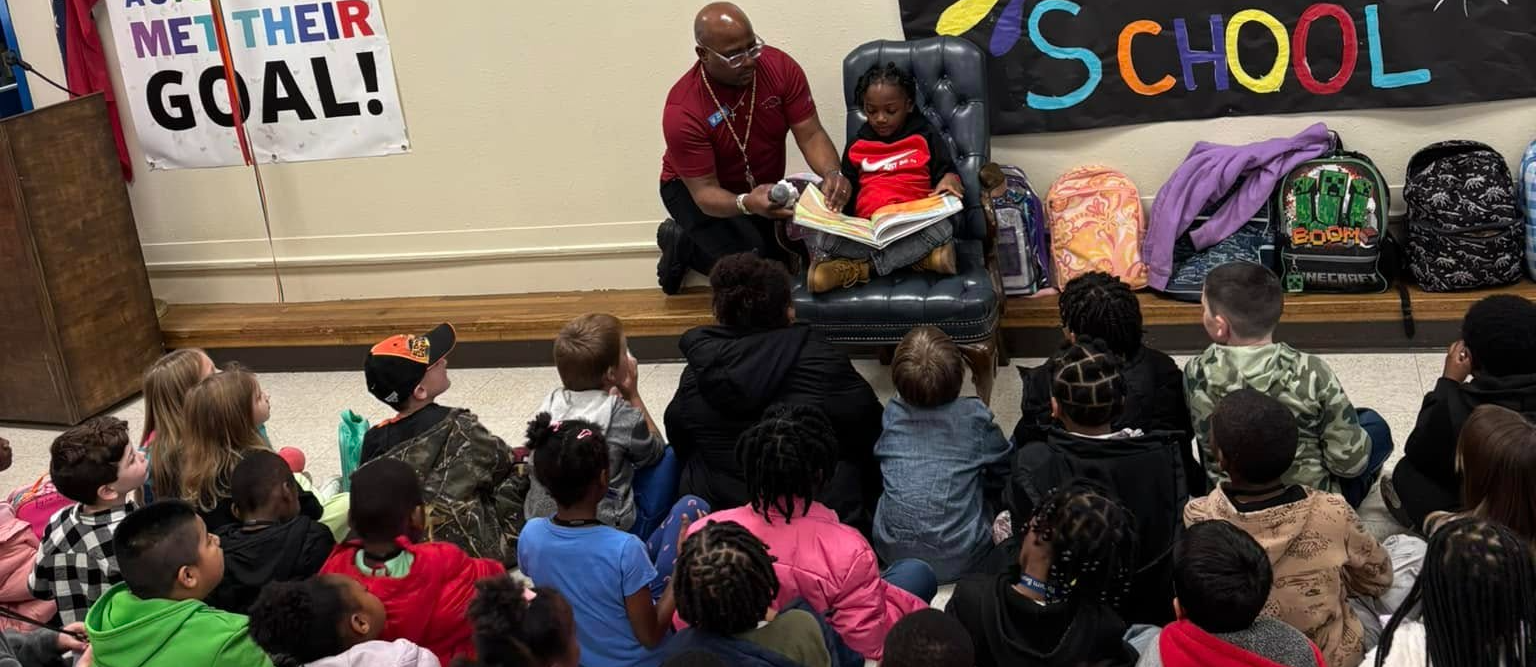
(349, 438)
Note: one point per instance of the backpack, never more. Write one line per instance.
(1096, 224)
(1528, 201)
(1023, 246)
(1332, 224)
(1253, 242)
(1464, 224)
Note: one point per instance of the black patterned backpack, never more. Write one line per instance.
(1464, 222)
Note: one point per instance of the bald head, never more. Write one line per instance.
(719, 24)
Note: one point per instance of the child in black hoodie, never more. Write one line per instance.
(1497, 351)
(1055, 607)
(1100, 306)
(273, 541)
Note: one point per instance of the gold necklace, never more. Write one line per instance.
(741, 142)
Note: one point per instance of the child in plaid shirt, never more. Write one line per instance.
(93, 465)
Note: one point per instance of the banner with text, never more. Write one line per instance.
(314, 79)
(1068, 64)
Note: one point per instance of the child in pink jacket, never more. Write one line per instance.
(790, 454)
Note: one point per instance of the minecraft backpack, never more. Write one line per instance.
(1331, 217)
(1465, 228)
(1096, 224)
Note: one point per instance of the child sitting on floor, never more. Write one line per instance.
(1223, 579)
(1056, 604)
(1100, 306)
(944, 461)
(425, 588)
(94, 465)
(519, 626)
(929, 638)
(725, 592)
(170, 562)
(166, 384)
(1494, 363)
(1142, 470)
(223, 415)
(472, 478)
(1475, 602)
(1497, 457)
(1320, 552)
(328, 621)
(1339, 449)
(897, 157)
(789, 456)
(600, 381)
(272, 542)
(618, 586)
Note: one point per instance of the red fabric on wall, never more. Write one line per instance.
(85, 69)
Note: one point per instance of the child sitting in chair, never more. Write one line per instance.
(897, 157)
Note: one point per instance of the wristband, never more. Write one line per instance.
(741, 204)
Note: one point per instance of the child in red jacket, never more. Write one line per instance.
(426, 588)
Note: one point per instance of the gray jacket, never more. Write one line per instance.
(38, 648)
(631, 445)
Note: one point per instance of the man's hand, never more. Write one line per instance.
(1458, 363)
(758, 203)
(949, 185)
(835, 188)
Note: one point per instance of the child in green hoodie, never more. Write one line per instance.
(1339, 449)
(169, 563)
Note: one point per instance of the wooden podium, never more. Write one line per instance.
(77, 323)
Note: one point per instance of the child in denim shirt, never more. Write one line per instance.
(942, 457)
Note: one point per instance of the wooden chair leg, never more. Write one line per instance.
(981, 356)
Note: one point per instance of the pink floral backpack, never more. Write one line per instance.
(37, 502)
(1096, 224)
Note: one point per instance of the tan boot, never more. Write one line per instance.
(941, 260)
(830, 274)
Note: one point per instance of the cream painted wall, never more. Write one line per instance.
(535, 129)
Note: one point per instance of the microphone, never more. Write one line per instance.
(784, 194)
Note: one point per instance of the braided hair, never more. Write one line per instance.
(1100, 305)
(1093, 545)
(569, 456)
(1087, 383)
(517, 626)
(787, 456)
(1478, 589)
(724, 579)
(890, 74)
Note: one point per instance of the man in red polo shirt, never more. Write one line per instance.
(725, 123)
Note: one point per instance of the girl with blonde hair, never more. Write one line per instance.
(166, 384)
(220, 420)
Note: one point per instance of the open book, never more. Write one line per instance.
(888, 225)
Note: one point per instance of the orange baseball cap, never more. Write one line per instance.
(396, 365)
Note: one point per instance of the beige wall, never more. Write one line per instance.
(535, 129)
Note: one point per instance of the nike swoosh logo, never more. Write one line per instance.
(878, 166)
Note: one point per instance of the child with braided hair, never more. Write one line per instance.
(520, 626)
(1144, 470)
(1055, 607)
(725, 591)
(1478, 598)
(789, 456)
(328, 621)
(1101, 306)
(619, 587)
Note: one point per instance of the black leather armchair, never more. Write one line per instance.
(952, 92)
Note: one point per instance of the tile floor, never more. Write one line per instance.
(305, 406)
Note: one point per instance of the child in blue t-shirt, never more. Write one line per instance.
(619, 587)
